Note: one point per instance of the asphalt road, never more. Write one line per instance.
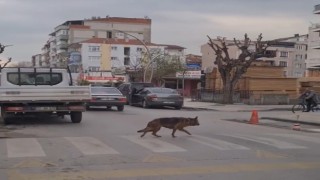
(106, 146)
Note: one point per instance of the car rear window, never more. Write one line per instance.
(163, 91)
(104, 90)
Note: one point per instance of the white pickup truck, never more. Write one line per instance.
(35, 91)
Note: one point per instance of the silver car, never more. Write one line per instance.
(108, 97)
(158, 97)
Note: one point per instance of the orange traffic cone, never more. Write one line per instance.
(254, 117)
(296, 127)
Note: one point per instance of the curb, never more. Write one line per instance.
(291, 121)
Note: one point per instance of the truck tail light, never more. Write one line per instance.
(14, 109)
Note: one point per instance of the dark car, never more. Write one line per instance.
(107, 96)
(158, 97)
(128, 89)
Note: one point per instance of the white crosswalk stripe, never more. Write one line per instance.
(271, 142)
(24, 147)
(299, 137)
(215, 143)
(154, 144)
(33, 147)
(91, 146)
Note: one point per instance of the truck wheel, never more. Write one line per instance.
(120, 108)
(3, 118)
(76, 117)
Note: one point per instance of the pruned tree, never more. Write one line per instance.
(231, 69)
(2, 47)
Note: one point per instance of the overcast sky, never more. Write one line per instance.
(26, 24)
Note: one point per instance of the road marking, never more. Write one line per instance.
(299, 137)
(215, 143)
(160, 158)
(24, 147)
(272, 142)
(268, 155)
(160, 172)
(91, 146)
(154, 144)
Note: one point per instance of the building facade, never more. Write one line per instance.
(80, 30)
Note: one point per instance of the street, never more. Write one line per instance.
(106, 145)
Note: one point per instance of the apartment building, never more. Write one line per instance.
(313, 60)
(80, 30)
(105, 54)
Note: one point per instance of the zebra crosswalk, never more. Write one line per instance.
(87, 146)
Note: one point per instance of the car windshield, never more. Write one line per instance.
(163, 91)
(104, 90)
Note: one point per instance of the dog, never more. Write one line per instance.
(175, 123)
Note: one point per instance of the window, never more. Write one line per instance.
(114, 58)
(283, 64)
(126, 51)
(139, 49)
(94, 48)
(109, 34)
(126, 61)
(305, 56)
(94, 58)
(114, 48)
(31, 78)
(94, 68)
(284, 54)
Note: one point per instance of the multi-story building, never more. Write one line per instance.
(103, 54)
(109, 27)
(313, 60)
(37, 60)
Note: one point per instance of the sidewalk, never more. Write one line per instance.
(311, 118)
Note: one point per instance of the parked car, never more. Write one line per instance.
(107, 96)
(158, 97)
(128, 89)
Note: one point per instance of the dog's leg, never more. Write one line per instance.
(174, 131)
(185, 131)
(144, 133)
(155, 132)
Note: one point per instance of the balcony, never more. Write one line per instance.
(316, 9)
(62, 45)
(63, 37)
(315, 44)
(315, 27)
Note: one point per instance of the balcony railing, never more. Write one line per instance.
(316, 9)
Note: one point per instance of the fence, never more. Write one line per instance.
(243, 96)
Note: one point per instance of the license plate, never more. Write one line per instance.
(168, 102)
(106, 99)
(46, 108)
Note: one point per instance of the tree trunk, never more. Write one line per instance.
(228, 90)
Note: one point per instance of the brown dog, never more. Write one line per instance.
(175, 123)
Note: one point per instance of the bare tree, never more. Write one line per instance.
(231, 69)
(2, 47)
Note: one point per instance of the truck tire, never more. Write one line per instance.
(76, 117)
(3, 118)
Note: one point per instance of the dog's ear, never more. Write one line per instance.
(196, 117)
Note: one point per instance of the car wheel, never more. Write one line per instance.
(145, 104)
(108, 107)
(177, 107)
(87, 107)
(120, 108)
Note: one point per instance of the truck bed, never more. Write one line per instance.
(45, 94)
